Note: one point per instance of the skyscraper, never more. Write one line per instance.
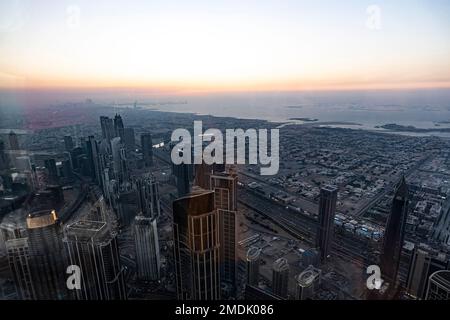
(307, 283)
(13, 141)
(93, 247)
(18, 259)
(118, 126)
(423, 264)
(93, 158)
(145, 230)
(224, 186)
(128, 139)
(52, 171)
(202, 174)
(196, 246)
(47, 258)
(182, 173)
(439, 286)
(280, 277)
(4, 161)
(107, 126)
(147, 149)
(68, 143)
(253, 262)
(147, 248)
(394, 234)
(148, 197)
(119, 160)
(327, 210)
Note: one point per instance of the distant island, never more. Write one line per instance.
(304, 119)
(401, 128)
(294, 107)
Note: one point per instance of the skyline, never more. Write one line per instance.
(204, 47)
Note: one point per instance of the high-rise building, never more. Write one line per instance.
(93, 158)
(118, 126)
(147, 248)
(253, 261)
(439, 286)
(423, 264)
(18, 259)
(224, 186)
(183, 175)
(327, 211)
(307, 283)
(93, 247)
(68, 143)
(119, 160)
(47, 258)
(147, 149)
(280, 277)
(128, 139)
(202, 174)
(145, 230)
(4, 161)
(148, 197)
(394, 234)
(52, 171)
(107, 128)
(13, 141)
(196, 246)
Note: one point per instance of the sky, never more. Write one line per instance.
(225, 45)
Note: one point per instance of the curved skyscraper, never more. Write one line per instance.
(280, 277)
(47, 258)
(253, 261)
(196, 246)
(439, 286)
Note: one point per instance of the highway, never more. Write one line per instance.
(304, 228)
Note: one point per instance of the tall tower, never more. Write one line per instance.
(327, 210)
(93, 247)
(439, 286)
(93, 158)
(280, 277)
(128, 139)
(307, 283)
(147, 248)
(52, 171)
(183, 174)
(147, 149)
(148, 197)
(68, 143)
(394, 234)
(4, 161)
(253, 261)
(146, 232)
(224, 186)
(18, 259)
(423, 264)
(118, 126)
(13, 141)
(107, 128)
(202, 174)
(119, 160)
(196, 246)
(47, 258)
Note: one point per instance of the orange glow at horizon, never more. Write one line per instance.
(209, 47)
